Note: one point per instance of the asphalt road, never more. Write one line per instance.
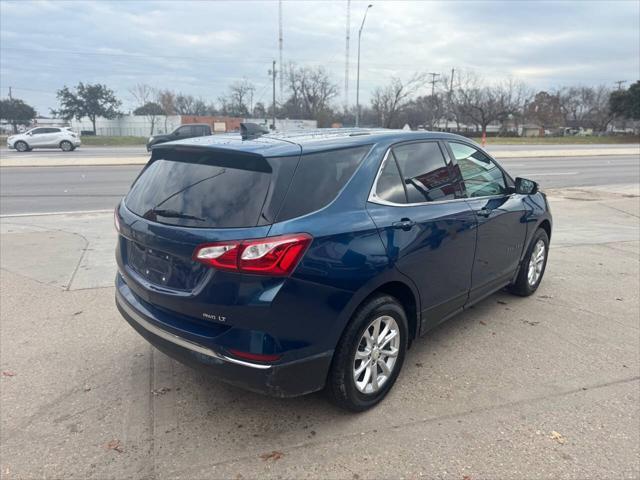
(65, 189)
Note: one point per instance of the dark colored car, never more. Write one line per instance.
(289, 263)
(188, 130)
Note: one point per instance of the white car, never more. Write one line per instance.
(44, 137)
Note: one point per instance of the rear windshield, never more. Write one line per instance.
(211, 191)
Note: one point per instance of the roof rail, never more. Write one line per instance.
(249, 131)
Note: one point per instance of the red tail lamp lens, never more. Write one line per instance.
(256, 357)
(266, 256)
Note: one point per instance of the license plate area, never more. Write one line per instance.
(162, 268)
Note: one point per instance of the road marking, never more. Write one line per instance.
(549, 174)
(42, 214)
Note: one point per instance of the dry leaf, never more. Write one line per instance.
(558, 437)
(482, 323)
(7, 373)
(160, 391)
(114, 445)
(275, 455)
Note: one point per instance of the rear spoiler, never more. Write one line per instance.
(220, 157)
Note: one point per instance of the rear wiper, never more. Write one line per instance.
(171, 214)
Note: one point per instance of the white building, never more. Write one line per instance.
(128, 125)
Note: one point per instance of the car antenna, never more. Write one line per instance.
(249, 131)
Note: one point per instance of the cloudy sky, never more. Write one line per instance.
(200, 47)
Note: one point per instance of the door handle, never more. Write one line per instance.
(404, 224)
(483, 212)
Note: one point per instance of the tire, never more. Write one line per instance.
(342, 386)
(21, 146)
(526, 283)
(66, 146)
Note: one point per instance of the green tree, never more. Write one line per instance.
(626, 103)
(88, 100)
(16, 112)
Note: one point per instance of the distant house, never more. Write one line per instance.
(531, 130)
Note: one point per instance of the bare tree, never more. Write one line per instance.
(587, 106)
(389, 101)
(310, 93)
(426, 110)
(188, 105)
(146, 98)
(167, 100)
(483, 104)
(238, 102)
(545, 110)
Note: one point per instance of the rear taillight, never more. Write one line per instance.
(276, 256)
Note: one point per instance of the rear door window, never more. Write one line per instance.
(222, 190)
(424, 171)
(390, 187)
(319, 178)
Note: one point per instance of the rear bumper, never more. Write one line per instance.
(280, 379)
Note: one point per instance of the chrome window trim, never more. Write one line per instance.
(182, 342)
(373, 197)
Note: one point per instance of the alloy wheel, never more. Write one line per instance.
(376, 354)
(536, 262)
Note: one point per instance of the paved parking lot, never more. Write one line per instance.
(542, 387)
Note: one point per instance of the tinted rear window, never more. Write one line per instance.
(221, 191)
(318, 179)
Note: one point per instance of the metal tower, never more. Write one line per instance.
(346, 58)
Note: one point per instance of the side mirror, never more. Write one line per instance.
(30, 134)
(526, 187)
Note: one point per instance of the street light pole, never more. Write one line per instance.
(358, 74)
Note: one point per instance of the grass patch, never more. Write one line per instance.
(593, 140)
(100, 141)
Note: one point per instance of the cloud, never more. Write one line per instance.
(201, 47)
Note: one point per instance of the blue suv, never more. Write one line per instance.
(289, 263)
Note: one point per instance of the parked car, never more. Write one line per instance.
(289, 263)
(45, 137)
(188, 130)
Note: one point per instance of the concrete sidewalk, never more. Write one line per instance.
(80, 158)
(540, 387)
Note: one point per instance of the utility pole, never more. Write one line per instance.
(10, 97)
(450, 98)
(433, 82)
(453, 71)
(272, 72)
(619, 83)
(358, 74)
